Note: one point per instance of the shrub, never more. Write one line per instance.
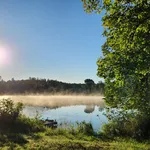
(9, 112)
(12, 120)
(127, 124)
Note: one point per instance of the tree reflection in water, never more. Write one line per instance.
(89, 109)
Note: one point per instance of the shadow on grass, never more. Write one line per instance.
(17, 138)
(12, 138)
(16, 132)
(35, 137)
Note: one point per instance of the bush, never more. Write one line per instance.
(12, 120)
(9, 112)
(128, 124)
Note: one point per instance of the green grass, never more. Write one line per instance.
(63, 139)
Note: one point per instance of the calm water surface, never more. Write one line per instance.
(70, 114)
(64, 108)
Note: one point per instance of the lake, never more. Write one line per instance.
(65, 109)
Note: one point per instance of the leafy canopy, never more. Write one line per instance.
(125, 64)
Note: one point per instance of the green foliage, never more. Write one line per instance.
(12, 121)
(82, 129)
(127, 124)
(125, 64)
(85, 128)
(56, 132)
(27, 125)
(36, 85)
(40, 141)
(9, 112)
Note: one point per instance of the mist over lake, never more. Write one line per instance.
(64, 108)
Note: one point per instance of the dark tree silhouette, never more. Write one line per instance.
(90, 84)
(36, 85)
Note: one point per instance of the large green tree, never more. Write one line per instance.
(125, 64)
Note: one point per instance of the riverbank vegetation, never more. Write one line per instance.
(20, 132)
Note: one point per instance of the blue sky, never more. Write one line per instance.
(52, 39)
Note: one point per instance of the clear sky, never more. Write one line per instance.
(52, 39)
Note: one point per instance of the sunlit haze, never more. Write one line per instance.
(5, 56)
(54, 101)
(52, 39)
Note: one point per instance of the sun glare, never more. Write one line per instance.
(4, 56)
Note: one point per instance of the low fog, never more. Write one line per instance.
(55, 101)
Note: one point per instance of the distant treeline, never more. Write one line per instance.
(35, 85)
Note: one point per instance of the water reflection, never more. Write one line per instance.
(64, 108)
(89, 108)
(70, 114)
(101, 108)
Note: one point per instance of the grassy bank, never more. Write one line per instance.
(60, 139)
(30, 134)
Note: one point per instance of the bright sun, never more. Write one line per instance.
(4, 56)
